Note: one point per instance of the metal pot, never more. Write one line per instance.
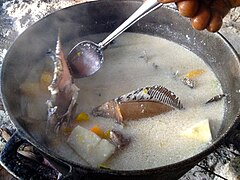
(103, 17)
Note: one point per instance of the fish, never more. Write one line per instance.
(144, 102)
(118, 139)
(216, 98)
(64, 92)
(189, 82)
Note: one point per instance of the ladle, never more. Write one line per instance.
(86, 57)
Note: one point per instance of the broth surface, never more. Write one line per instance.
(134, 61)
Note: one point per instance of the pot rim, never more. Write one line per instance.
(198, 157)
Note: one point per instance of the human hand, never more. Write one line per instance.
(205, 14)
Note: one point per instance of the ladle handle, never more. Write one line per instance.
(147, 7)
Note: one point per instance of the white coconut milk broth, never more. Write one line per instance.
(137, 60)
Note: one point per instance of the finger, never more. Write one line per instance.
(201, 20)
(188, 8)
(233, 3)
(221, 6)
(168, 1)
(207, 2)
(215, 22)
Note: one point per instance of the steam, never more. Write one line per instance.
(25, 14)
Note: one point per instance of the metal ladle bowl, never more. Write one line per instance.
(86, 57)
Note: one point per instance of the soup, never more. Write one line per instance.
(134, 61)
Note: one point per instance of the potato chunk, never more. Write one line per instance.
(89, 146)
(101, 152)
(200, 131)
(83, 141)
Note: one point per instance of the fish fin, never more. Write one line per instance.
(155, 93)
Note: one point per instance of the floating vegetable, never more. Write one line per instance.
(98, 131)
(103, 166)
(195, 73)
(63, 92)
(34, 89)
(81, 117)
(90, 147)
(142, 103)
(107, 134)
(188, 78)
(200, 131)
(216, 98)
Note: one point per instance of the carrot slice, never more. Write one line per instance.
(98, 131)
(195, 73)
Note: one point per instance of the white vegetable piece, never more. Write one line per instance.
(200, 131)
(83, 141)
(101, 153)
(89, 146)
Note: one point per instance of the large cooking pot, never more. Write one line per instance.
(103, 17)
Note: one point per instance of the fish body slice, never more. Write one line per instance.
(142, 103)
(142, 109)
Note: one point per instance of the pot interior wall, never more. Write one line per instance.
(104, 17)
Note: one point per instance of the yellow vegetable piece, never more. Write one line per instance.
(81, 117)
(107, 134)
(195, 73)
(103, 166)
(98, 131)
(45, 79)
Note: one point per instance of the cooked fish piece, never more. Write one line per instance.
(144, 102)
(63, 91)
